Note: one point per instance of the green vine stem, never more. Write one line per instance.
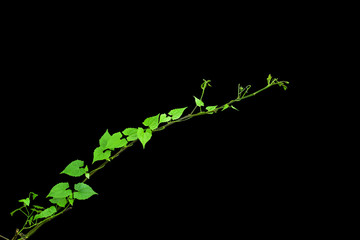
(63, 198)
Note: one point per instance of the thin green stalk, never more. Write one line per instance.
(4, 237)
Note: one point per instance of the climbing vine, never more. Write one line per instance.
(62, 195)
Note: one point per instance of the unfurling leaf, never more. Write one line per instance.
(198, 102)
(144, 136)
(152, 122)
(176, 113)
(74, 169)
(83, 191)
(46, 213)
(60, 190)
(269, 79)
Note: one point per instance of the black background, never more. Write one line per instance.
(72, 75)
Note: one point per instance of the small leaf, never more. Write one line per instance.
(104, 139)
(131, 133)
(99, 154)
(176, 113)
(60, 190)
(83, 191)
(46, 213)
(38, 207)
(26, 201)
(269, 79)
(234, 108)
(164, 118)
(115, 141)
(71, 200)
(226, 106)
(34, 195)
(152, 122)
(198, 102)
(144, 136)
(74, 169)
(211, 108)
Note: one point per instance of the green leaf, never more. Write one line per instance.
(269, 79)
(46, 213)
(198, 102)
(60, 190)
(115, 141)
(226, 106)
(176, 113)
(71, 200)
(83, 191)
(152, 122)
(144, 136)
(26, 201)
(38, 207)
(104, 139)
(99, 154)
(234, 108)
(131, 133)
(164, 118)
(34, 195)
(59, 201)
(211, 108)
(74, 169)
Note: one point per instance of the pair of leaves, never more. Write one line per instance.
(60, 192)
(108, 143)
(26, 201)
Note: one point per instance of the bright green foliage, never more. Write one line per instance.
(198, 102)
(131, 133)
(164, 118)
(60, 190)
(115, 141)
(62, 196)
(144, 136)
(46, 213)
(176, 113)
(108, 143)
(83, 191)
(152, 122)
(75, 169)
(101, 154)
